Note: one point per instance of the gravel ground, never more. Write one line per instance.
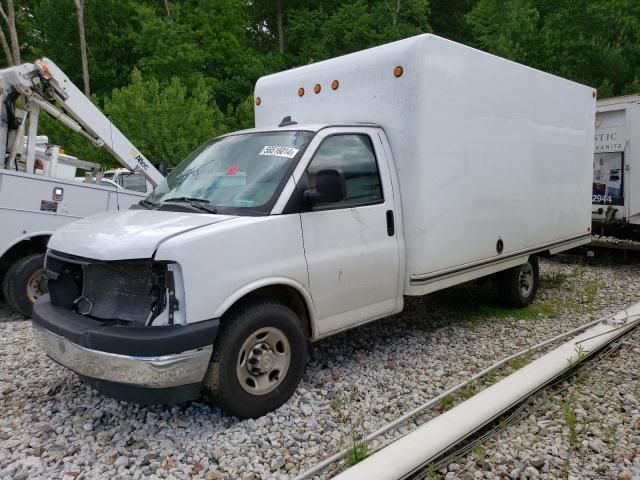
(54, 426)
(585, 427)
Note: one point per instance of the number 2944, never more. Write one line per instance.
(601, 199)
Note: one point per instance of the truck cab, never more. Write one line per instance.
(258, 220)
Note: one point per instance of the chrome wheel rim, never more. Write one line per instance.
(263, 361)
(37, 285)
(526, 280)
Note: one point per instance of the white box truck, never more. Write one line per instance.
(398, 170)
(616, 166)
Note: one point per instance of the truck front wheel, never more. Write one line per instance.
(517, 287)
(258, 360)
(24, 283)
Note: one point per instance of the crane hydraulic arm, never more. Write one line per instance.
(43, 84)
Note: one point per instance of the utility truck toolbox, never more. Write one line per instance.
(394, 171)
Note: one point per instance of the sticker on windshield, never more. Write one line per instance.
(279, 151)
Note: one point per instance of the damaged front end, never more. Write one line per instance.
(137, 292)
(122, 327)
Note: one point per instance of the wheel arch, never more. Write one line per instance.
(285, 290)
(23, 246)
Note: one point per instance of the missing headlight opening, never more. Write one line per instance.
(135, 292)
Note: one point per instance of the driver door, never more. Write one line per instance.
(351, 245)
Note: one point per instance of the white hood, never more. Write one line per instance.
(126, 235)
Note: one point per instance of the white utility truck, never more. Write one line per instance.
(38, 189)
(616, 166)
(394, 171)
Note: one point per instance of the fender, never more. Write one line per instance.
(28, 236)
(266, 282)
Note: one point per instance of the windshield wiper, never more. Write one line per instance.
(146, 204)
(199, 203)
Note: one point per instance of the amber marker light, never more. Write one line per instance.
(398, 71)
(335, 84)
(300, 92)
(258, 100)
(317, 88)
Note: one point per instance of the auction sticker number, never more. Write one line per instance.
(279, 151)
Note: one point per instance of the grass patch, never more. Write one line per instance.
(521, 361)
(554, 281)
(431, 474)
(570, 418)
(532, 312)
(589, 292)
(358, 450)
(446, 402)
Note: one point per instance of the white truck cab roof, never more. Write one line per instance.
(311, 127)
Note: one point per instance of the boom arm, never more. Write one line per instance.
(43, 82)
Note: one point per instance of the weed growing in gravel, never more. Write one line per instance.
(467, 392)
(566, 466)
(611, 436)
(570, 419)
(579, 354)
(490, 378)
(478, 451)
(446, 402)
(590, 291)
(518, 363)
(583, 378)
(358, 450)
(532, 312)
(432, 474)
(577, 271)
(555, 280)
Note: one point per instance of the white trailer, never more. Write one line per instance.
(394, 171)
(616, 165)
(38, 190)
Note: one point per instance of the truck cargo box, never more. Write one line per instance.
(494, 158)
(616, 163)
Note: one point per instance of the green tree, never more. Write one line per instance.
(508, 28)
(165, 123)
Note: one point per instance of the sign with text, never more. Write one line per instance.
(609, 139)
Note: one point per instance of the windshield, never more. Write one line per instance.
(234, 172)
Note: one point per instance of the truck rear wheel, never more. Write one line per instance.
(517, 287)
(258, 360)
(24, 283)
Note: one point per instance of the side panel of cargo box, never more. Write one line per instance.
(505, 166)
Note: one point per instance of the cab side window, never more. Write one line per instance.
(353, 155)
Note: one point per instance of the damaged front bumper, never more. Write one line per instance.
(147, 365)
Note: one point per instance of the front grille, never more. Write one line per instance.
(54, 265)
(118, 290)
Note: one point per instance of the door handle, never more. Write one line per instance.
(391, 229)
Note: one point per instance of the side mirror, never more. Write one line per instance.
(330, 187)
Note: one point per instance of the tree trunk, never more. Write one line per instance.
(166, 6)
(6, 48)
(11, 46)
(279, 15)
(396, 13)
(83, 47)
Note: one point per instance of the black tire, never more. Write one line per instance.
(16, 283)
(222, 384)
(509, 284)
